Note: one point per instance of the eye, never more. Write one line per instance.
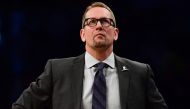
(104, 20)
(92, 21)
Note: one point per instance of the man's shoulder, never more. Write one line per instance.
(131, 63)
(136, 67)
(58, 60)
(67, 60)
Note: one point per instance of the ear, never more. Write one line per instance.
(116, 33)
(82, 35)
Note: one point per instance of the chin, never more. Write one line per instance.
(102, 45)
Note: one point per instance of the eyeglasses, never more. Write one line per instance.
(105, 22)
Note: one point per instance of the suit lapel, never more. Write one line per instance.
(124, 79)
(77, 80)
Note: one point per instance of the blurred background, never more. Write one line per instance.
(151, 31)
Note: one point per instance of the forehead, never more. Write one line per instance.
(98, 12)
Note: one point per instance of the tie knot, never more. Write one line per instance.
(101, 65)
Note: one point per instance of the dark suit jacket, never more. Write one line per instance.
(60, 86)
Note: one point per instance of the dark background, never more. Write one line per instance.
(151, 31)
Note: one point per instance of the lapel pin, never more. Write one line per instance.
(124, 68)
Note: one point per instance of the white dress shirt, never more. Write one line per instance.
(112, 82)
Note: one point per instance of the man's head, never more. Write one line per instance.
(97, 4)
(98, 27)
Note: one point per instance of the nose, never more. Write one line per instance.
(99, 24)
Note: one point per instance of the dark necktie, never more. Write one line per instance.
(99, 88)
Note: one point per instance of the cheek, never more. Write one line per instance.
(111, 35)
(89, 35)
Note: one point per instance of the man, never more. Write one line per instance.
(97, 79)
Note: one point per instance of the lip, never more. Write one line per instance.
(99, 34)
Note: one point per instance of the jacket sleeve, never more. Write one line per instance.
(155, 99)
(38, 94)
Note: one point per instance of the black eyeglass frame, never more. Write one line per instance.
(111, 22)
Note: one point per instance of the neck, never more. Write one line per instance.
(100, 53)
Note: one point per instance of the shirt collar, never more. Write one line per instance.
(91, 61)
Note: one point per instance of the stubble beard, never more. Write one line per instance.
(101, 44)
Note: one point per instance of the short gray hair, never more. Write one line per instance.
(97, 4)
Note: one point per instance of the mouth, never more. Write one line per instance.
(99, 35)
